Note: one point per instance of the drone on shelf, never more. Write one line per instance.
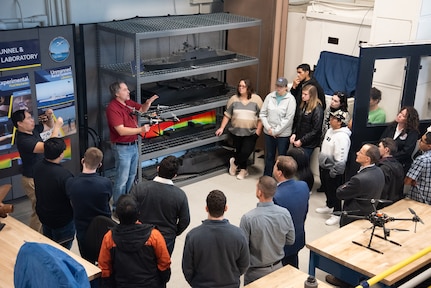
(379, 219)
(154, 116)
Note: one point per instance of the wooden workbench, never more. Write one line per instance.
(336, 254)
(13, 236)
(286, 277)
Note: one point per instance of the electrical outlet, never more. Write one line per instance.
(201, 1)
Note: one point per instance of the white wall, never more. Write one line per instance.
(295, 41)
(122, 9)
(58, 12)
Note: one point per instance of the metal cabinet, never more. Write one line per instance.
(123, 43)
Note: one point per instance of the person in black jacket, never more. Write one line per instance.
(308, 122)
(304, 78)
(404, 130)
(392, 169)
(367, 184)
(133, 254)
(53, 205)
(163, 204)
(303, 171)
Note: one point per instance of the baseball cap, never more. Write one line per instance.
(339, 114)
(282, 82)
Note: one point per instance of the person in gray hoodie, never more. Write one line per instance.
(332, 162)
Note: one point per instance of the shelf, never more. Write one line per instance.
(150, 149)
(155, 27)
(134, 34)
(124, 69)
(194, 106)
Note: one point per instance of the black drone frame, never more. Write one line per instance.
(379, 219)
(154, 117)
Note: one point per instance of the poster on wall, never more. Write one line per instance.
(15, 94)
(55, 90)
(19, 54)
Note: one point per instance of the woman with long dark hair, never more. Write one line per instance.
(405, 131)
(338, 102)
(242, 110)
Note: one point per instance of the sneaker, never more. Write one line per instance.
(232, 167)
(242, 174)
(324, 210)
(333, 220)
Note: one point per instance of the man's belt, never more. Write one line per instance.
(270, 265)
(126, 143)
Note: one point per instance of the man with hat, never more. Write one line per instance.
(277, 113)
(332, 161)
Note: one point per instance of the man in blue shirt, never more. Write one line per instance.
(292, 195)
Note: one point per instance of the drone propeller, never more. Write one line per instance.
(159, 106)
(346, 213)
(174, 117)
(415, 216)
(372, 201)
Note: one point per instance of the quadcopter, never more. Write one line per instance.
(379, 219)
(154, 117)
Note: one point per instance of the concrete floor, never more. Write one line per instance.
(240, 199)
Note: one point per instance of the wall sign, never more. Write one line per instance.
(59, 49)
(19, 54)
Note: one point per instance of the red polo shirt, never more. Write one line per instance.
(118, 114)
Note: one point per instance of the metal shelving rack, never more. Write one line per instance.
(140, 31)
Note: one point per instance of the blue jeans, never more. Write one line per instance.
(170, 243)
(271, 146)
(126, 165)
(63, 235)
(309, 152)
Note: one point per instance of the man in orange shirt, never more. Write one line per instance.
(133, 254)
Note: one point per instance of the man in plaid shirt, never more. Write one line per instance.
(419, 174)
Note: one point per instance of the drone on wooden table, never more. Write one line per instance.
(379, 219)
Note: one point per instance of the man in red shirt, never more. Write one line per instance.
(124, 130)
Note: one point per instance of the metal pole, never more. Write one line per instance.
(393, 269)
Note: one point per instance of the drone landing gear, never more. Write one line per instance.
(385, 233)
(368, 247)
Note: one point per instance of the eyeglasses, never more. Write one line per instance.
(423, 141)
(242, 86)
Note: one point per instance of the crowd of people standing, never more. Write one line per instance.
(152, 214)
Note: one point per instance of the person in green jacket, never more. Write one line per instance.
(376, 114)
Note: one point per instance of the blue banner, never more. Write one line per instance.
(19, 54)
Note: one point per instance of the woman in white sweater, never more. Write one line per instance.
(277, 113)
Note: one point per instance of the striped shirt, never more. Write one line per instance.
(243, 116)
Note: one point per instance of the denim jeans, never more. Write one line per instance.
(271, 146)
(309, 152)
(63, 235)
(170, 243)
(126, 165)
